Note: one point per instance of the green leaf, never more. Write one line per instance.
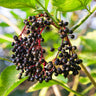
(3, 24)
(84, 80)
(8, 35)
(15, 15)
(17, 3)
(60, 78)
(9, 80)
(37, 86)
(93, 74)
(5, 38)
(64, 14)
(46, 3)
(70, 5)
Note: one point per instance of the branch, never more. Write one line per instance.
(84, 19)
(6, 38)
(17, 30)
(1, 58)
(43, 91)
(56, 90)
(75, 85)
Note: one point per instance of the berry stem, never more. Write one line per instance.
(75, 85)
(88, 74)
(22, 31)
(67, 39)
(42, 29)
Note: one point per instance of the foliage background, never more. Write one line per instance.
(85, 41)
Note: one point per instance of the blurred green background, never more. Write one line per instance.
(85, 40)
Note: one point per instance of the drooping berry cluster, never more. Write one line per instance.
(29, 55)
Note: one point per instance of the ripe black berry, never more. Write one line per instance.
(72, 36)
(65, 23)
(28, 54)
(15, 38)
(60, 55)
(70, 31)
(30, 17)
(52, 49)
(13, 44)
(28, 31)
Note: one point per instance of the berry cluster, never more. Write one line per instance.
(29, 55)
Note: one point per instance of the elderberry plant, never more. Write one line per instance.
(29, 55)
